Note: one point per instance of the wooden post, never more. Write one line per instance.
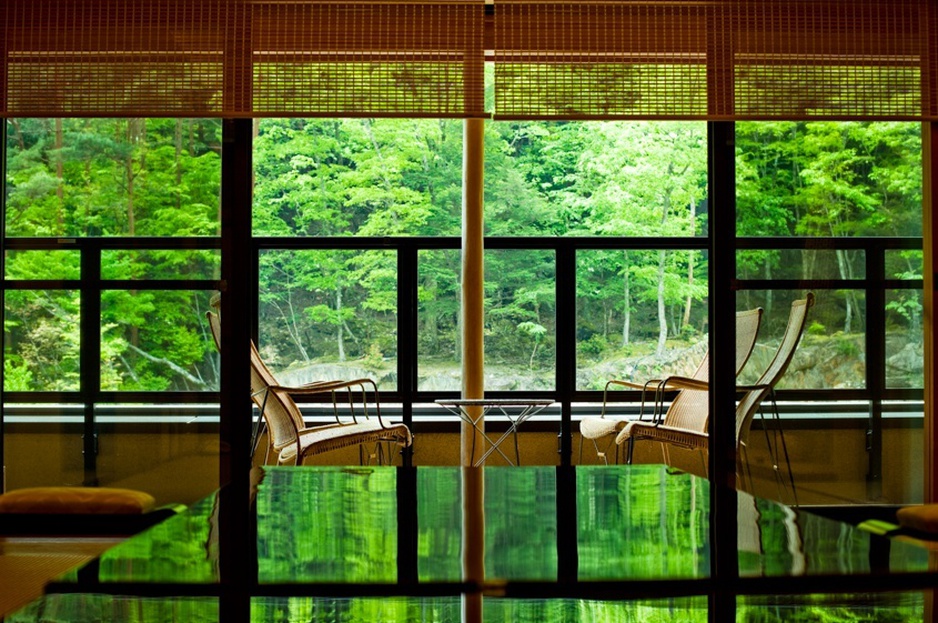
(929, 269)
(473, 385)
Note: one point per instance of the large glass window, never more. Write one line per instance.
(113, 177)
(634, 179)
(357, 177)
(111, 256)
(328, 314)
(836, 208)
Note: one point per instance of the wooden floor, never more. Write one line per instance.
(28, 563)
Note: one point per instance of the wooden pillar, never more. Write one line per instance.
(929, 269)
(473, 385)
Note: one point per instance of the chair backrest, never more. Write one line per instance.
(750, 402)
(281, 414)
(283, 417)
(747, 330)
(691, 407)
(214, 323)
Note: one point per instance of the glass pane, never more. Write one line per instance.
(41, 340)
(640, 315)
(801, 264)
(161, 264)
(596, 179)
(153, 340)
(365, 177)
(831, 354)
(438, 311)
(905, 347)
(42, 264)
(904, 264)
(329, 315)
(113, 177)
(520, 320)
(832, 178)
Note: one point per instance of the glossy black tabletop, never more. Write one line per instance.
(378, 525)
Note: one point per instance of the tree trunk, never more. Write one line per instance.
(768, 294)
(431, 332)
(177, 139)
(626, 300)
(59, 174)
(132, 137)
(662, 315)
(690, 269)
(340, 330)
(844, 271)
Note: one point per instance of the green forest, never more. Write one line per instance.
(334, 312)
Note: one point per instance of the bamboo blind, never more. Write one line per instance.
(600, 59)
(242, 58)
(676, 59)
(729, 59)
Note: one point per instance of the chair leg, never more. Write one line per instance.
(781, 435)
(791, 474)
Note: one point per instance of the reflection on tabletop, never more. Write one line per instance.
(341, 524)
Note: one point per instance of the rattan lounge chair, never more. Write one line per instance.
(684, 406)
(688, 427)
(290, 440)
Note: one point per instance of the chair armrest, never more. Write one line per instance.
(750, 388)
(332, 387)
(683, 382)
(632, 384)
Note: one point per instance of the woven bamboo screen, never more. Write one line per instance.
(239, 58)
(729, 59)
(677, 59)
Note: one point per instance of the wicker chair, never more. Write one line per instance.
(687, 427)
(290, 440)
(689, 401)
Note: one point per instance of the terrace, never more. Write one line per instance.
(531, 246)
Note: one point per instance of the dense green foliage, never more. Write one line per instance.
(327, 308)
(75, 178)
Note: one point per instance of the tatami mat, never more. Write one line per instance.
(26, 565)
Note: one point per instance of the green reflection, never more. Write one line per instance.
(327, 525)
(641, 523)
(439, 520)
(520, 523)
(355, 610)
(184, 548)
(852, 608)
(685, 609)
(341, 524)
(81, 608)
